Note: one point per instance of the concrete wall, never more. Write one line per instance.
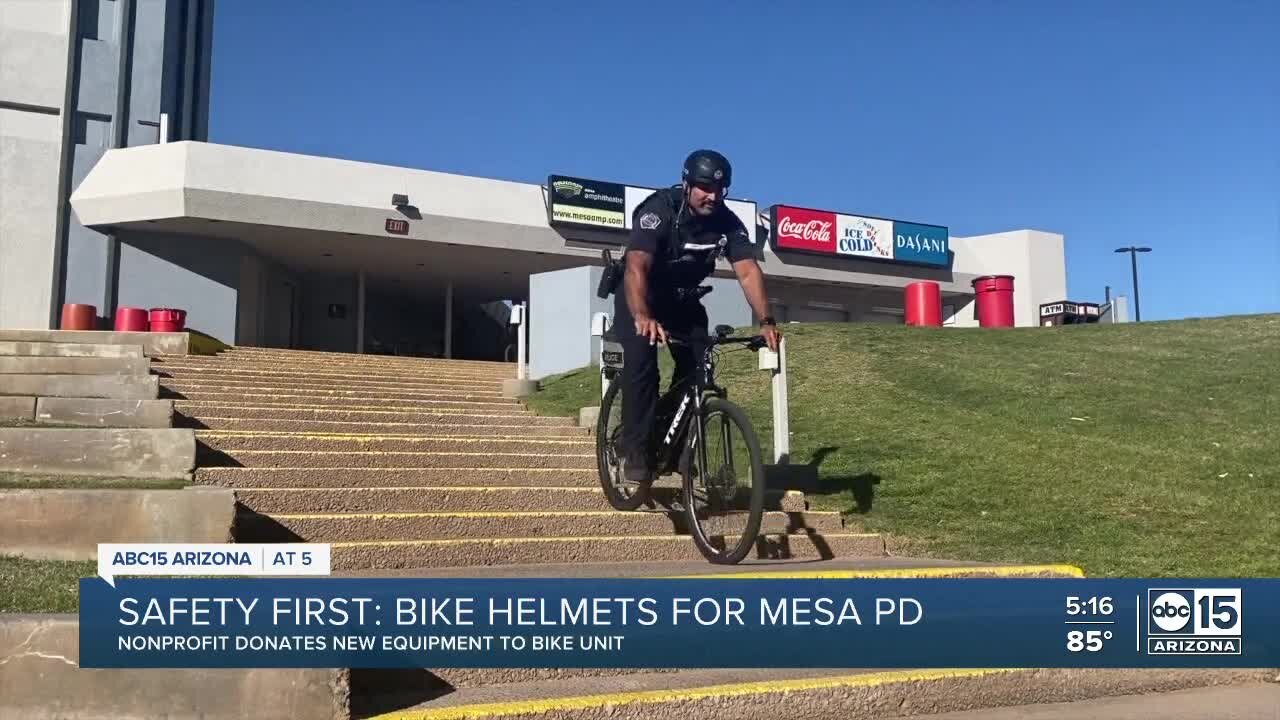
(1037, 260)
(33, 73)
(562, 303)
(60, 111)
(196, 274)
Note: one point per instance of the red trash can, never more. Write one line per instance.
(168, 320)
(131, 319)
(924, 304)
(994, 297)
(76, 316)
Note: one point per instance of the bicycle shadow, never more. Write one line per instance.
(861, 485)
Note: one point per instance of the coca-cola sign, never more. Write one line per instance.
(859, 237)
(801, 229)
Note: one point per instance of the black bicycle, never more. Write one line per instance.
(723, 504)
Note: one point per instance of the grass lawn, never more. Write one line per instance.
(1131, 450)
(30, 586)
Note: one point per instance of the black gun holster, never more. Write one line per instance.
(611, 278)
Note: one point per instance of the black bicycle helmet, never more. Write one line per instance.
(707, 167)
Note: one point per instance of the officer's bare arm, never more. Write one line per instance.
(638, 264)
(751, 277)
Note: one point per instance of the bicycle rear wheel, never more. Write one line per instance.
(621, 494)
(724, 484)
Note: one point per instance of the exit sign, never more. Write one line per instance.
(396, 226)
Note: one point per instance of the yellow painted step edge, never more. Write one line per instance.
(576, 538)
(505, 514)
(923, 572)
(585, 702)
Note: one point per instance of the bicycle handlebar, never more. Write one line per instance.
(753, 342)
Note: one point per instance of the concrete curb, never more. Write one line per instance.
(248, 408)
(40, 680)
(152, 343)
(138, 453)
(511, 551)
(513, 388)
(282, 478)
(17, 408)
(58, 349)
(463, 426)
(44, 365)
(367, 527)
(822, 696)
(115, 387)
(69, 524)
(102, 413)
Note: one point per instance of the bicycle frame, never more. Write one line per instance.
(703, 385)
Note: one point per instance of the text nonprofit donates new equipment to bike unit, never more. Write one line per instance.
(723, 506)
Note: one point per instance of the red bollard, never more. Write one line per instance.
(168, 320)
(924, 304)
(76, 316)
(995, 300)
(131, 319)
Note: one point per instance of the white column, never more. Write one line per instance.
(521, 345)
(360, 308)
(781, 424)
(448, 320)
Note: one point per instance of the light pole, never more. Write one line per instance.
(1133, 257)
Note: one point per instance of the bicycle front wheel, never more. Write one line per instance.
(724, 484)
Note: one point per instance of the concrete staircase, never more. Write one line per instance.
(411, 463)
(85, 404)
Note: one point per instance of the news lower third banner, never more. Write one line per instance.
(260, 622)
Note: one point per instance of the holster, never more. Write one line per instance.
(611, 278)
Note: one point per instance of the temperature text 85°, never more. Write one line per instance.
(1090, 640)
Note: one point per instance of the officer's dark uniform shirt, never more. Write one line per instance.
(682, 261)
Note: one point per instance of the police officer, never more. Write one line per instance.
(677, 235)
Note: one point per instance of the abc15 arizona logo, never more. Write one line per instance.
(1199, 621)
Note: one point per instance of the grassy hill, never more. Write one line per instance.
(1132, 450)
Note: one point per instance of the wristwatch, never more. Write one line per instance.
(768, 320)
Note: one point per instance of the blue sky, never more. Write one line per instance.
(1113, 123)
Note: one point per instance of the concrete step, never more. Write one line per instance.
(779, 694)
(249, 408)
(46, 365)
(301, 501)
(390, 459)
(353, 527)
(42, 680)
(288, 376)
(282, 478)
(437, 427)
(231, 442)
(322, 356)
(193, 363)
(131, 453)
(342, 399)
(115, 387)
(58, 349)
(13, 407)
(105, 413)
(152, 344)
(213, 381)
(509, 551)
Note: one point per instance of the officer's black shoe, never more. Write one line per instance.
(636, 470)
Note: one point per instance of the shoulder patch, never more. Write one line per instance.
(650, 221)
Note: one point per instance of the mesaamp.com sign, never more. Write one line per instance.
(829, 233)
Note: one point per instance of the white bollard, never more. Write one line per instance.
(518, 319)
(776, 363)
